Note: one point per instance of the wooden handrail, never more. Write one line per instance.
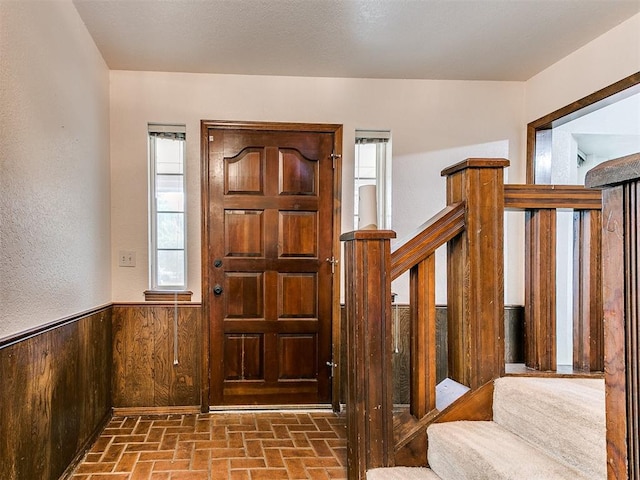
(434, 233)
(533, 196)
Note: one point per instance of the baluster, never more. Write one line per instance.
(588, 347)
(423, 337)
(540, 289)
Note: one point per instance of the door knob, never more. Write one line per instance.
(217, 290)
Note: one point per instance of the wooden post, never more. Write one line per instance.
(540, 289)
(475, 286)
(621, 301)
(369, 351)
(422, 280)
(588, 347)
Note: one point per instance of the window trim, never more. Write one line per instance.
(383, 178)
(158, 292)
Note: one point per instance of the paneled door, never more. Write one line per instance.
(271, 253)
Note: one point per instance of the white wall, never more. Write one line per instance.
(600, 63)
(54, 166)
(433, 124)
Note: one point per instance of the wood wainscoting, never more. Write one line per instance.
(150, 371)
(55, 394)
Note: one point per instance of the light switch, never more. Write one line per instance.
(127, 258)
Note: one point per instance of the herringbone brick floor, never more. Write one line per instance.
(246, 446)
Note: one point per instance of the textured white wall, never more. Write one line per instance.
(54, 166)
(607, 59)
(602, 62)
(433, 124)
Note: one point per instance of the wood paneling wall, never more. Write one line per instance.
(144, 372)
(55, 395)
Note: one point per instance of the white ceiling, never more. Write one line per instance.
(432, 39)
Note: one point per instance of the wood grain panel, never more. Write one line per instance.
(368, 311)
(423, 337)
(616, 335)
(298, 234)
(532, 196)
(621, 291)
(298, 356)
(296, 295)
(244, 295)
(244, 233)
(588, 341)
(246, 357)
(475, 262)
(244, 174)
(146, 370)
(54, 396)
(298, 175)
(540, 289)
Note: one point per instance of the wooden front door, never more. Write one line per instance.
(269, 280)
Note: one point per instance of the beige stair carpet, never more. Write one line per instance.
(486, 451)
(564, 416)
(401, 473)
(543, 429)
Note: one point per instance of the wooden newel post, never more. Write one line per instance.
(620, 180)
(368, 316)
(475, 264)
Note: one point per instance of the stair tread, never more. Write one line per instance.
(402, 473)
(566, 417)
(485, 450)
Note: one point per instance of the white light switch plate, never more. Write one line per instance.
(126, 258)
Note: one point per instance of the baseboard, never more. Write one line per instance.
(86, 446)
(168, 410)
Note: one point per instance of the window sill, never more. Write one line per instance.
(167, 296)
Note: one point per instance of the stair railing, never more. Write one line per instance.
(540, 203)
(472, 226)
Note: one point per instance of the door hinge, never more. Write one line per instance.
(333, 261)
(331, 365)
(211, 138)
(335, 156)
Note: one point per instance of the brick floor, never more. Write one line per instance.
(246, 446)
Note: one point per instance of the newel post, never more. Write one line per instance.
(620, 181)
(475, 269)
(369, 386)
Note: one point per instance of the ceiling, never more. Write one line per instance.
(411, 39)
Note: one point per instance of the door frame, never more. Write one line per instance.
(567, 113)
(336, 129)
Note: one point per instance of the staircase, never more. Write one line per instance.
(542, 429)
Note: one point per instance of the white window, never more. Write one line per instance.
(373, 167)
(167, 216)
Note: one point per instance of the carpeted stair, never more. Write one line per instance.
(543, 429)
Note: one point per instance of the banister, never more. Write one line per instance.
(434, 233)
(534, 196)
